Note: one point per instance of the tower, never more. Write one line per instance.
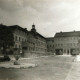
(33, 28)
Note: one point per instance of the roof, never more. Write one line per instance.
(68, 34)
(1, 25)
(36, 34)
(14, 27)
(40, 35)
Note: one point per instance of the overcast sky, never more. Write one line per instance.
(49, 16)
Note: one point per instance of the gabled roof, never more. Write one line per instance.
(68, 34)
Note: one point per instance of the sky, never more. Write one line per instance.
(49, 16)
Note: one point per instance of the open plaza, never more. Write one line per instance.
(28, 55)
(39, 39)
(58, 67)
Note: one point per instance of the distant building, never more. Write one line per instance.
(36, 42)
(50, 44)
(67, 42)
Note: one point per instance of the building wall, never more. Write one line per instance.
(66, 45)
(19, 37)
(29, 42)
(41, 44)
(50, 44)
(36, 43)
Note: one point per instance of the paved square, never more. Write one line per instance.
(49, 68)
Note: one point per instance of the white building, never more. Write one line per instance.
(67, 42)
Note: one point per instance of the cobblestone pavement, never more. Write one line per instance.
(74, 73)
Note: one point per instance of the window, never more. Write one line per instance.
(15, 45)
(71, 44)
(16, 38)
(22, 40)
(50, 45)
(74, 44)
(58, 44)
(61, 44)
(52, 40)
(19, 38)
(19, 46)
(25, 40)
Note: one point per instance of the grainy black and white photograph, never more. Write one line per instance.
(39, 39)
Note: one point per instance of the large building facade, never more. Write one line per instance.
(34, 43)
(29, 41)
(67, 42)
(20, 36)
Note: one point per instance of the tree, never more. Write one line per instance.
(6, 38)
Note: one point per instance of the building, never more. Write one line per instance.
(20, 37)
(29, 42)
(67, 42)
(36, 42)
(50, 44)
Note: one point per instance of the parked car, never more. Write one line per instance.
(5, 58)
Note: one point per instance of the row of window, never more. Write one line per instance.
(38, 43)
(41, 39)
(49, 46)
(21, 32)
(37, 49)
(19, 39)
(67, 38)
(43, 44)
(17, 46)
(31, 49)
(69, 44)
(50, 40)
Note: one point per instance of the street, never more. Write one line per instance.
(49, 68)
